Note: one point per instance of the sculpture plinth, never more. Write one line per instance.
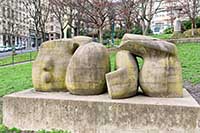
(99, 114)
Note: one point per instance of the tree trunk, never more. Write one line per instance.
(36, 42)
(143, 27)
(100, 35)
(147, 27)
(128, 27)
(62, 33)
(193, 26)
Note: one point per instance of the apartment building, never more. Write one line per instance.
(53, 28)
(164, 18)
(14, 23)
(17, 27)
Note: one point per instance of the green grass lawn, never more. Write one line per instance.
(189, 55)
(162, 36)
(18, 77)
(15, 78)
(18, 58)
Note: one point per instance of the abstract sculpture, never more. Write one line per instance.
(160, 75)
(82, 67)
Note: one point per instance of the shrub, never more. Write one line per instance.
(186, 25)
(106, 34)
(119, 33)
(136, 30)
(4, 129)
(198, 22)
(168, 31)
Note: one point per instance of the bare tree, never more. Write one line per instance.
(148, 8)
(128, 11)
(39, 13)
(65, 13)
(95, 13)
(191, 8)
(172, 8)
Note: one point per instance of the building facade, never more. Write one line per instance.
(17, 27)
(53, 28)
(14, 23)
(169, 10)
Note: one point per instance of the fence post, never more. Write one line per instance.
(30, 55)
(13, 58)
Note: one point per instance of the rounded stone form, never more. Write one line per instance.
(49, 68)
(86, 70)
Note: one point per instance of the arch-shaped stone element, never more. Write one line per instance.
(161, 74)
(86, 70)
(123, 82)
(81, 40)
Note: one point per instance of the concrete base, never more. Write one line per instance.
(30, 110)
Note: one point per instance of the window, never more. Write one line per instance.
(3, 10)
(8, 13)
(51, 28)
(52, 19)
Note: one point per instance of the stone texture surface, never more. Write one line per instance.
(123, 82)
(86, 70)
(49, 68)
(99, 114)
(161, 74)
(81, 40)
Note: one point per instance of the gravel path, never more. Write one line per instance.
(194, 90)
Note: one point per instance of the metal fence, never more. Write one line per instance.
(18, 58)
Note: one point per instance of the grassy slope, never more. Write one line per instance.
(189, 55)
(18, 58)
(16, 78)
(162, 36)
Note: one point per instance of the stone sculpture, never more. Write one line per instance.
(86, 70)
(82, 67)
(123, 82)
(49, 68)
(160, 75)
(81, 40)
